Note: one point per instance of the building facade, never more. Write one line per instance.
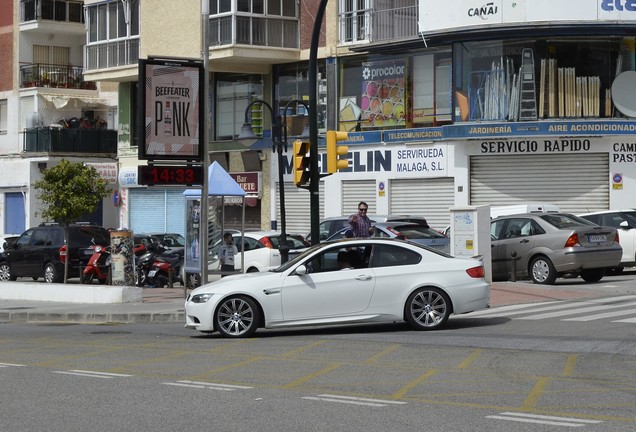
(48, 112)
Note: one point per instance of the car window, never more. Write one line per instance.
(250, 243)
(564, 220)
(630, 217)
(82, 236)
(379, 233)
(328, 260)
(593, 218)
(56, 237)
(40, 237)
(390, 255)
(25, 238)
(518, 227)
(496, 228)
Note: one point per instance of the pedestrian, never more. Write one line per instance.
(227, 252)
(360, 222)
(343, 260)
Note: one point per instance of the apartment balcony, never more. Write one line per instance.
(253, 38)
(59, 16)
(111, 54)
(70, 141)
(380, 25)
(56, 76)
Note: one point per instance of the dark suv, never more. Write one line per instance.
(40, 252)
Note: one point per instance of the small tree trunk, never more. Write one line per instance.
(68, 254)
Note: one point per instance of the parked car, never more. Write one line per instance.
(625, 222)
(173, 241)
(261, 250)
(414, 232)
(544, 246)
(40, 251)
(9, 239)
(395, 281)
(332, 225)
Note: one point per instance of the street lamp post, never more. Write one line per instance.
(279, 142)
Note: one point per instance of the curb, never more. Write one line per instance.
(93, 318)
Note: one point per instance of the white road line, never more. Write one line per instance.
(552, 306)
(353, 400)
(603, 315)
(577, 311)
(10, 364)
(208, 385)
(541, 419)
(627, 320)
(92, 374)
(508, 308)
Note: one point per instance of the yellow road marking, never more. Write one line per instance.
(375, 357)
(410, 386)
(570, 365)
(535, 394)
(470, 359)
(311, 376)
(296, 351)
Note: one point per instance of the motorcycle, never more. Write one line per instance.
(166, 269)
(98, 265)
(159, 266)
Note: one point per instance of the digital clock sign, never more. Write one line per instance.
(170, 175)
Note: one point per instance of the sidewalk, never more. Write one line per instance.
(167, 304)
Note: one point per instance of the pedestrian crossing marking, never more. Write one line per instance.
(555, 309)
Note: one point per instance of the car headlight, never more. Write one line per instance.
(201, 298)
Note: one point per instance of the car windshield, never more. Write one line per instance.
(565, 220)
(416, 232)
(297, 258)
(631, 217)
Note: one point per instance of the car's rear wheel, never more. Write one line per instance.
(542, 271)
(237, 317)
(427, 309)
(5, 272)
(592, 275)
(50, 274)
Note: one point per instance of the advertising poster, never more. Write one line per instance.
(172, 110)
(382, 101)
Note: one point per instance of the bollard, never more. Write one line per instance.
(513, 276)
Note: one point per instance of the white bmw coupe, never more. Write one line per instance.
(382, 280)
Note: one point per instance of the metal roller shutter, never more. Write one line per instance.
(431, 198)
(354, 191)
(297, 208)
(157, 210)
(576, 183)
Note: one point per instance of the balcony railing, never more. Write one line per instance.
(80, 141)
(253, 30)
(46, 75)
(53, 10)
(110, 54)
(373, 25)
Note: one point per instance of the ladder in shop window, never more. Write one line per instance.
(528, 93)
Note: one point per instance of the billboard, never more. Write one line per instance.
(171, 109)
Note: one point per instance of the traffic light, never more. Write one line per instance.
(301, 162)
(334, 163)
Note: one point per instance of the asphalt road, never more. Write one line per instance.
(523, 367)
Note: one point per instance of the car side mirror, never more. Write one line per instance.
(301, 270)
(625, 225)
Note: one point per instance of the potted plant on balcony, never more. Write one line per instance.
(46, 81)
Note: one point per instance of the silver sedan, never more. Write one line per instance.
(544, 246)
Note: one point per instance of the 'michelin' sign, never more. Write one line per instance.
(171, 109)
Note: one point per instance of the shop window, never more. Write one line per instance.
(525, 80)
(431, 98)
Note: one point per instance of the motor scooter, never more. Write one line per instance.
(98, 266)
(166, 269)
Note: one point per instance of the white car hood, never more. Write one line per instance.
(238, 282)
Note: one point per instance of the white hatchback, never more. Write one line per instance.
(625, 223)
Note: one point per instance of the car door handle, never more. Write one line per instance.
(524, 241)
(363, 277)
(271, 291)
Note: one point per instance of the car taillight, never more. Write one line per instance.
(62, 252)
(572, 241)
(616, 239)
(265, 241)
(476, 272)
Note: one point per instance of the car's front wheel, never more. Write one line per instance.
(50, 273)
(237, 317)
(542, 271)
(427, 309)
(592, 275)
(5, 272)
